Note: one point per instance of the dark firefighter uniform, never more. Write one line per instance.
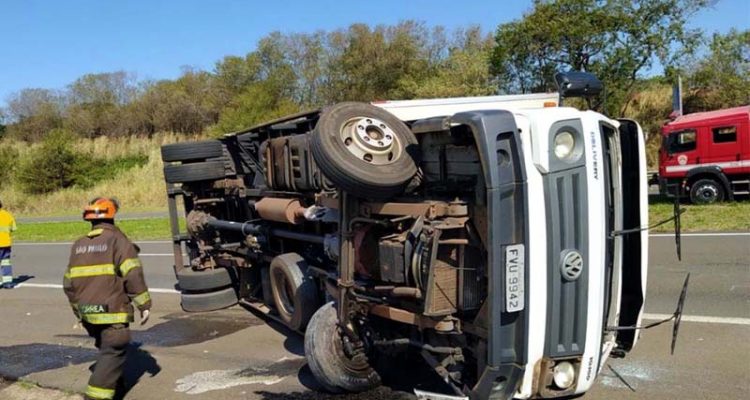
(104, 276)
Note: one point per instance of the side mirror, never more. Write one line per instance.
(578, 84)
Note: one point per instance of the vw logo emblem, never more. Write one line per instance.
(572, 265)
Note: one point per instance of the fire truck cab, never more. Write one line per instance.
(706, 155)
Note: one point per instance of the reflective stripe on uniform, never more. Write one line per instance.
(106, 318)
(142, 298)
(7, 229)
(5, 262)
(99, 393)
(7, 279)
(84, 271)
(128, 265)
(95, 232)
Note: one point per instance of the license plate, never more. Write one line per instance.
(514, 280)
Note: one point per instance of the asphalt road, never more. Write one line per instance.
(233, 354)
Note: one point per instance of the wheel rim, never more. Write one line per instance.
(284, 293)
(707, 193)
(370, 140)
(352, 363)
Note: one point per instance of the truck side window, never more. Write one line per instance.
(682, 141)
(725, 134)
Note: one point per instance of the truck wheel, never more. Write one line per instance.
(294, 294)
(265, 283)
(706, 191)
(330, 364)
(211, 301)
(365, 150)
(189, 151)
(203, 171)
(207, 279)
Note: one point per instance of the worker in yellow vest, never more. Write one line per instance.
(7, 226)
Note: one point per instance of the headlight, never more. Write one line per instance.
(565, 144)
(564, 374)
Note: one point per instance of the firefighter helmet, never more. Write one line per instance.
(101, 208)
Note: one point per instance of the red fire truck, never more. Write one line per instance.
(706, 155)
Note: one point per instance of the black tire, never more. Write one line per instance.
(331, 366)
(295, 295)
(199, 302)
(204, 171)
(378, 179)
(265, 282)
(188, 151)
(706, 191)
(208, 279)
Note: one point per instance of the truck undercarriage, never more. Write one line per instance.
(373, 237)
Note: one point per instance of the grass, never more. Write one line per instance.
(734, 216)
(136, 229)
(139, 189)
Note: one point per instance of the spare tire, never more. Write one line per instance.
(211, 301)
(202, 171)
(365, 150)
(192, 280)
(188, 151)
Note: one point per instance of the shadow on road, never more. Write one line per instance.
(182, 329)
(138, 363)
(25, 359)
(22, 360)
(22, 279)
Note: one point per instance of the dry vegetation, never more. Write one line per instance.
(650, 107)
(138, 189)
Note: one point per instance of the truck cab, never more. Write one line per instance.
(706, 156)
(482, 234)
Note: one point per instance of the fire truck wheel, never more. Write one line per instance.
(706, 191)
(189, 151)
(331, 365)
(198, 302)
(365, 150)
(203, 171)
(294, 294)
(207, 279)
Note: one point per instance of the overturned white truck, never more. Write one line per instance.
(480, 233)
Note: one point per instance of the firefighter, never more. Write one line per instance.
(104, 276)
(7, 226)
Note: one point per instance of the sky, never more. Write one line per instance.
(49, 44)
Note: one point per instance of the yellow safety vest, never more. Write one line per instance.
(7, 225)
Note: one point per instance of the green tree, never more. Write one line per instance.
(96, 102)
(721, 79)
(369, 62)
(455, 69)
(31, 113)
(51, 166)
(615, 39)
(258, 103)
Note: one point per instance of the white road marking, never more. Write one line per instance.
(718, 234)
(59, 286)
(707, 319)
